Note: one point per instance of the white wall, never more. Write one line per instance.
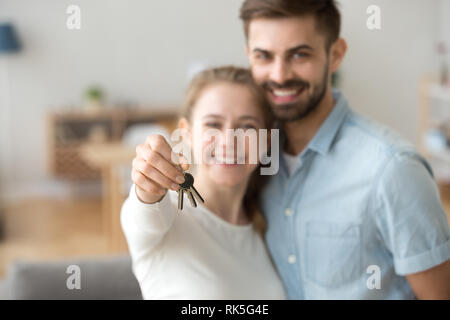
(141, 51)
(383, 67)
(137, 50)
(444, 32)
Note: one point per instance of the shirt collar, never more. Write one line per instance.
(323, 139)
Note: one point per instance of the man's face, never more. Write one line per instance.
(289, 61)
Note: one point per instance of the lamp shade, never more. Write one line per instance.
(8, 39)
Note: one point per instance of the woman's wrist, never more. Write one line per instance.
(147, 198)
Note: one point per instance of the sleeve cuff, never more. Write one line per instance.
(423, 261)
(156, 216)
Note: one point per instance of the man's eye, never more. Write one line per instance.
(262, 56)
(300, 55)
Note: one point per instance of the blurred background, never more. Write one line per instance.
(75, 102)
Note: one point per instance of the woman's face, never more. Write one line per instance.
(220, 110)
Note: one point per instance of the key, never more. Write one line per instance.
(180, 199)
(180, 192)
(188, 187)
(191, 199)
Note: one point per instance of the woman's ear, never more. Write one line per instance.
(184, 131)
(184, 125)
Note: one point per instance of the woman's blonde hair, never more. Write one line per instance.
(241, 76)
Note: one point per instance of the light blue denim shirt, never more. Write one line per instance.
(362, 206)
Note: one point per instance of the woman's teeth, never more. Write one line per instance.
(227, 160)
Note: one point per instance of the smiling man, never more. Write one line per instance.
(354, 212)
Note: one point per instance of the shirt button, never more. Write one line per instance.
(288, 212)
(291, 259)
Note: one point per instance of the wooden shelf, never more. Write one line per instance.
(434, 112)
(439, 92)
(443, 155)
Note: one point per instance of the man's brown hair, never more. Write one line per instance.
(326, 13)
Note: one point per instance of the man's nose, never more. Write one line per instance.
(280, 72)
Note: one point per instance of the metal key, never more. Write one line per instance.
(188, 187)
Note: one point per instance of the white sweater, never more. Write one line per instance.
(194, 254)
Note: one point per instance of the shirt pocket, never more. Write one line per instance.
(333, 253)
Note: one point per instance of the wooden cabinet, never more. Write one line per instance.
(68, 131)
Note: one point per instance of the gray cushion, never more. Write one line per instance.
(4, 289)
(100, 278)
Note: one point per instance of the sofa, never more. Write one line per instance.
(104, 278)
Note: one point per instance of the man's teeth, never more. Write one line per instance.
(285, 93)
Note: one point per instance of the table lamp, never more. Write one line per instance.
(8, 39)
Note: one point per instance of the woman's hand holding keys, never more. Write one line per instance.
(156, 168)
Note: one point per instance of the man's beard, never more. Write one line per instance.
(298, 110)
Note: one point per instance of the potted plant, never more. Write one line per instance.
(93, 99)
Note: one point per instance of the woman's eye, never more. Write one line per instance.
(212, 124)
(248, 126)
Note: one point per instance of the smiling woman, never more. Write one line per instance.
(217, 250)
(204, 90)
